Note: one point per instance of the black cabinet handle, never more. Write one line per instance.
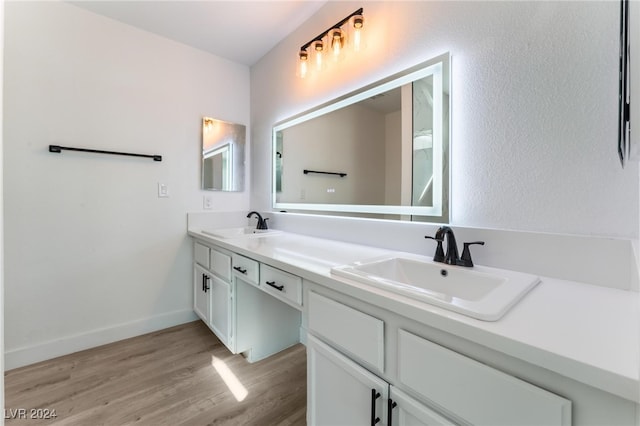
(203, 275)
(273, 284)
(374, 395)
(241, 270)
(206, 283)
(391, 405)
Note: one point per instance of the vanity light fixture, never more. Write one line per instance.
(333, 39)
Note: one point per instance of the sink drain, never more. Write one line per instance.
(444, 272)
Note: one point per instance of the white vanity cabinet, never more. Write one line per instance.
(221, 293)
(202, 282)
(283, 285)
(341, 392)
(355, 333)
(222, 310)
(202, 293)
(246, 318)
(420, 383)
(403, 410)
(213, 290)
(472, 391)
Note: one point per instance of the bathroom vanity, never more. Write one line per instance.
(565, 354)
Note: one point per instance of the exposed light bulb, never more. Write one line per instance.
(318, 48)
(358, 23)
(303, 61)
(337, 40)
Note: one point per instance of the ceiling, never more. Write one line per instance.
(241, 31)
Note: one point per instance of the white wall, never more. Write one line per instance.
(92, 254)
(534, 106)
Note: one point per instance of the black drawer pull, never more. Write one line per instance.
(206, 283)
(374, 395)
(241, 270)
(390, 407)
(273, 284)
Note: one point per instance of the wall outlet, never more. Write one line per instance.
(163, 190)
(207, 202)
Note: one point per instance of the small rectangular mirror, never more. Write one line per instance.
(222, 155)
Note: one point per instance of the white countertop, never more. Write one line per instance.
(584, 332)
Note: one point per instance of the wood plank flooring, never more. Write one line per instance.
(162, 378)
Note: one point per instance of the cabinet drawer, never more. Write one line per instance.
(221, 264)
(201, 254)
(246, 268)
(473, 391)
(281, 284)
(357, 333)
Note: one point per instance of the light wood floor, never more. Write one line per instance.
(162, 378)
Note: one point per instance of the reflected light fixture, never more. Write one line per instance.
(333, 39)
(208, 124)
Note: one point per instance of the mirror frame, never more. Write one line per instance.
(440, 68)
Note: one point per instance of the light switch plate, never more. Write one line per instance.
(163, 190)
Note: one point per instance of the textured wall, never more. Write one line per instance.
(534, 106)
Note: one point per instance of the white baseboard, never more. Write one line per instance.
(54, 348)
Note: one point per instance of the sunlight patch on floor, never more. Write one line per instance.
(230, 379)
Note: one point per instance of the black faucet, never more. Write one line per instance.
(452, 257)
(262, 223)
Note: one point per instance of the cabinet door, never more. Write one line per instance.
(221, 309)
(406, 411)
(202, 293)
(340, 392)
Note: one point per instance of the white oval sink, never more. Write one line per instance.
(479, 292)
(244, 232)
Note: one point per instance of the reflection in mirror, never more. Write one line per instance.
(222, 155)
(380, 152)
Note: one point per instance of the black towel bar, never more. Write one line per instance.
(58, 149)
(305, 171)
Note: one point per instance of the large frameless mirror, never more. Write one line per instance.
(222, 155)
(381, 151)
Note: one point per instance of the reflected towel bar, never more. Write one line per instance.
(58, 148)
(305, 171)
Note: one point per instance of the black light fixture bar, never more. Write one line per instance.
(336, 25)
(59, 149)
